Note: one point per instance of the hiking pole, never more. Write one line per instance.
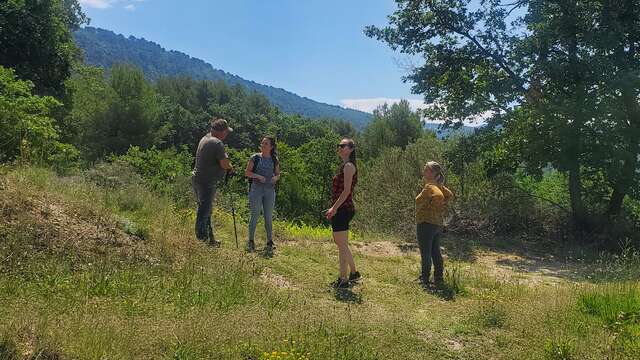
(233, 207)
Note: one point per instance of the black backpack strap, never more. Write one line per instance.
(256, 160)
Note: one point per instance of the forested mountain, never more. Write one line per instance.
(443, 133)
(105, 48)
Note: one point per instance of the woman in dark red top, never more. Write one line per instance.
(343, 210)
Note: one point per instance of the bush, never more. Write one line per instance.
(113, 175)
(388, 185)
(165, 171)
(28, 131)
(511, 204)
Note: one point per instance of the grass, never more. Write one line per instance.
(91, 272)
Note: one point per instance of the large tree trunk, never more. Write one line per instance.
(574, 145)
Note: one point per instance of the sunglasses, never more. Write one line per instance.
(342, 146)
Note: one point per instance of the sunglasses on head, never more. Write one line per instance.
(342, 146)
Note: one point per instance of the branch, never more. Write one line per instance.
(498, 59)
(517, 3)
(524, 192)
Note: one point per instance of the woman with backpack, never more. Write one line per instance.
(263, 172)
(431, 205)
(343, 210)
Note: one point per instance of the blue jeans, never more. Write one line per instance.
(261, 198)
(205, 193)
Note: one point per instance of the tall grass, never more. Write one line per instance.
(119, 293)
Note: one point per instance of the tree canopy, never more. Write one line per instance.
(36, 40)
(559, 78)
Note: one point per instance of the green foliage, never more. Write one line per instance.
(573, 108)
(110, 115)
(295, 199)
(388, 185)
(27, 130)
(392, 126)
(165, 171)
(37, 41)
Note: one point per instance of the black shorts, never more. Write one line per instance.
(340, 221)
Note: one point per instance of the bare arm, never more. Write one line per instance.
(225, 164)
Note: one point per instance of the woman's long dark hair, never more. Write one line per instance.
(274, 152)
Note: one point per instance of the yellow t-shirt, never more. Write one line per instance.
(431, 204)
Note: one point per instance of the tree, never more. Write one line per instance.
(110, 115)
(27, 130)
(395, 125)
(551, 73)
(36, 40)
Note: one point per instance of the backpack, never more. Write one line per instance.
(256, 160)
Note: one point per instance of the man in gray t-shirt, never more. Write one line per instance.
(211, 164)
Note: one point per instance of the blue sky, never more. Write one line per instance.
(315, 48)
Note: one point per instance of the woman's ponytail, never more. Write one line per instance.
(436, 170)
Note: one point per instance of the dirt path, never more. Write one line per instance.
(525, 269)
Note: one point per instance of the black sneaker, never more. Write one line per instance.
(215, 243)
(251, 247)
(270, 248)
(355, 276)
(340, 284)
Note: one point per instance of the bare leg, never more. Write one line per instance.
(344, 254)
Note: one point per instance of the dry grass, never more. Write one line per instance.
(92, 273)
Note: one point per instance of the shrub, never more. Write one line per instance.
(165, 171)
(388, 185)
(28, 131)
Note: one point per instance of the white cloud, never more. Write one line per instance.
(98, 4)
(370, 104)
(128, 5)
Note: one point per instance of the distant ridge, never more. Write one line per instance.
(444, 133)
(105, 48)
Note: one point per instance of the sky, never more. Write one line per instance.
(314, 48)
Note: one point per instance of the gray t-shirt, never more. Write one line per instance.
(210, 152)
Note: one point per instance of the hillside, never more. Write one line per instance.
(105, 48)
(101, 271)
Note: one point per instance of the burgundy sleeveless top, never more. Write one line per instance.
(338, 186)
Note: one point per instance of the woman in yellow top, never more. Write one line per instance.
(431, 205)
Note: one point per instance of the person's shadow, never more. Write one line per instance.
(442, 290)
(267, 253)
(348, 296)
